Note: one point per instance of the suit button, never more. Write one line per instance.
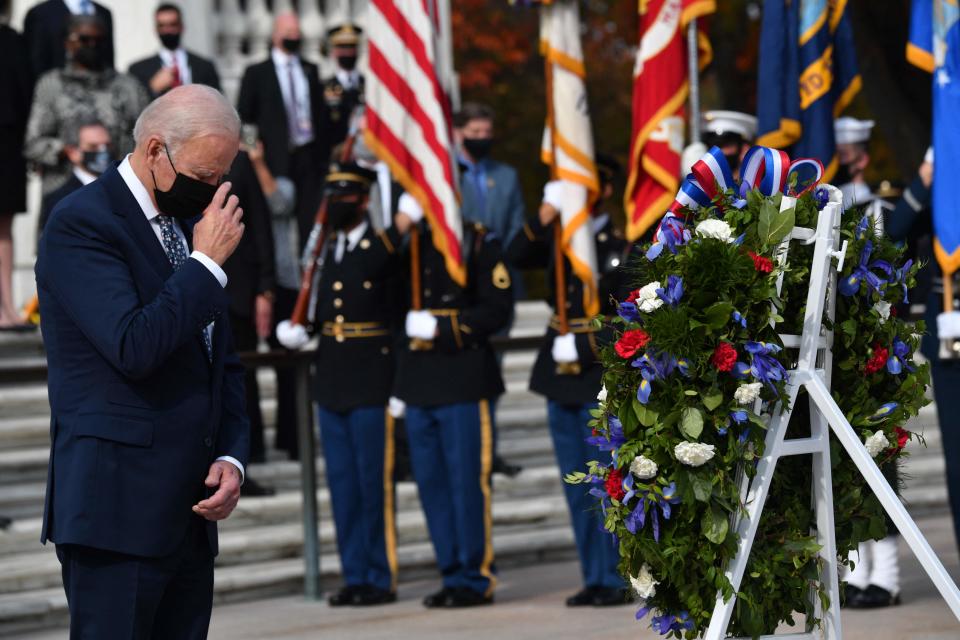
(208, 441)
(337, 303)
(337, 286)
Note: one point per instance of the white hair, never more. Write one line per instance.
(187, 112)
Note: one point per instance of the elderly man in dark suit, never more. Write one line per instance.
(173, 66)
(45, 25)
(149, 433)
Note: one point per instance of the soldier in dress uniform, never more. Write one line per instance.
(568, 372)
(853, 138)
(355, 315)
(732, 131)
(343, 91)
(446, 372)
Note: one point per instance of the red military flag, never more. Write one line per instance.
(408, 120)
(660, 90)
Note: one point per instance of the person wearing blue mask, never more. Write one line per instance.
(90, 150)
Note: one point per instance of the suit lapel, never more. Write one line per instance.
(274, 82)
(126, 206)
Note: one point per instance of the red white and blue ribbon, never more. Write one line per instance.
(764, 169)
(804, 175)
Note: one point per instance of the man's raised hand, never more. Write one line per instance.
(219, 231)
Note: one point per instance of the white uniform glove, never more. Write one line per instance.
(553, 194)
(409, 206)
(292, 336)
(421, 324)
(565, 348)
(948, 325)
(396, 407)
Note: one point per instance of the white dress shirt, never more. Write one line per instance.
(348, 79)
(150, 211)
(84, 176)
(180, 55)
(302, 131)
(348, 241)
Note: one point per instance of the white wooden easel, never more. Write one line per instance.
(813, 373)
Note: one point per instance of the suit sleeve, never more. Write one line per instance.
(491, 304)
(233, 437)
(247, 100)
(214, 79)
(89, 277)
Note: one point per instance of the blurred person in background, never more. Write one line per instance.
(89, 149)
(16, 87)
(87, 87)
(45, 25)
(343, 91)
(732, 132)
(173, 65)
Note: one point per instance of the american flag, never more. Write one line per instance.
(408, 119)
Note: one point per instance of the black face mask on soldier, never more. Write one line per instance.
(186, 198)
(479, 148)
(341, 214)
(733, 159)
(347, 63)
(844, 174)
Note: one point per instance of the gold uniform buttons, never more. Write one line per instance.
(340, 337)
(337, 286)
(427, 293)
(364, 244)
(367, 285)
(337, 303)
(339, 319)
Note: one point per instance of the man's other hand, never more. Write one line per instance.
(219, 231)
(226, 478)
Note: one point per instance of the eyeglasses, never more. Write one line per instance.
(87, 40)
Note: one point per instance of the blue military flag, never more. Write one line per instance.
(807, 76)
(934, 47)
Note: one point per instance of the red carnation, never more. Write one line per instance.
(878, 361)
(893, 311)
(762, 264)
(631, 342)
(724, 357)
(633, 295)
(903, 436)
(614, 485)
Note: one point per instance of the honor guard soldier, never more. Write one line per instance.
(355, 313)
(568, 373)
(733, 132)
(446, 372)
(853, 138)
(343, 91)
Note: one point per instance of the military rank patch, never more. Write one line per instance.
(501, 276)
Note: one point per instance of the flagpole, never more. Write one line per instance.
(693, 71)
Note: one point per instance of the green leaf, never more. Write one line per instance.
(691, 424)
(715, 525)
(775, 225)
(717, 315)
(713, 400)
(702, 487)
(646, 416)
(690, 392)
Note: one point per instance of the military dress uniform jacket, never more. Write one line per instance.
(533, 248)
(461, 365)
(357, 317)
(341, 102)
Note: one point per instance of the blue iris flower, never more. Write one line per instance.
(740, 370)
(901, 278)
(611, 442)
(669, 622)
(763, 365)
(862, 227)
(656, 503)
(898, 360)
(739, 318)
(672, 293)
(628, 311)
(822, 196)
(883, 412)
(655, 366)
(739, 416)
(673, 234)
(865, 272)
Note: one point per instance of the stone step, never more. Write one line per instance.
(286, 506)
(20, 345)
(45, 608)
(41, 569)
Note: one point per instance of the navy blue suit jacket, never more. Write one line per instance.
(138, 411)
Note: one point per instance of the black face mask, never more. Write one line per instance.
(170, 41)
(186, 198)
(347, 63)
(844, 175)
(96, 162)
(89, 57)
(479, 148)
(291, 45)
(733, 159)
(342, 214)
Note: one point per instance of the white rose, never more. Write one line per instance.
(644, 468)
(747, 393)
(644, 584)
(693, 454)
(876, 443)
(647, 299)
(602, 396)
(883, 308)
(714, 228)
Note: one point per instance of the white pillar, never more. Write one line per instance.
(200, 21)
(314, 27)
(259, 29)
(233, 26)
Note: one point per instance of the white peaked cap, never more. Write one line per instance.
(852, 131)
(721, 122)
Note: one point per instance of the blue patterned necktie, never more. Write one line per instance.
(178, 256)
